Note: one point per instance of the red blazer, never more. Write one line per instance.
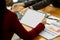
(12, 25)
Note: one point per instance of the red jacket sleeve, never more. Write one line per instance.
(20, 30)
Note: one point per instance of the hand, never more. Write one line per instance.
(44, 21)
(16, 6)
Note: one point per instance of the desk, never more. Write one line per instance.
(53, 11)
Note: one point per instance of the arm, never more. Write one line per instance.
(19, 29)
(24, 4)
(41, 4)
(29, 3)
(56, 3)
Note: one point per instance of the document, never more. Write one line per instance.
(32, 18)
(52, 29)
(50, 32)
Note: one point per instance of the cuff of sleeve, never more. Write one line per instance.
(40, 27)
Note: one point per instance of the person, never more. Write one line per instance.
(9, 24)
(39, 4)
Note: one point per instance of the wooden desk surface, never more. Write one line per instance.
(53, 11)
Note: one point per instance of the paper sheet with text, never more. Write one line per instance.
(50, 31)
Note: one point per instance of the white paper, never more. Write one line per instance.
(32, 18)
(52, 30)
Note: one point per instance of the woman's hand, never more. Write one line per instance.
(44, 21)
(17, 6)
